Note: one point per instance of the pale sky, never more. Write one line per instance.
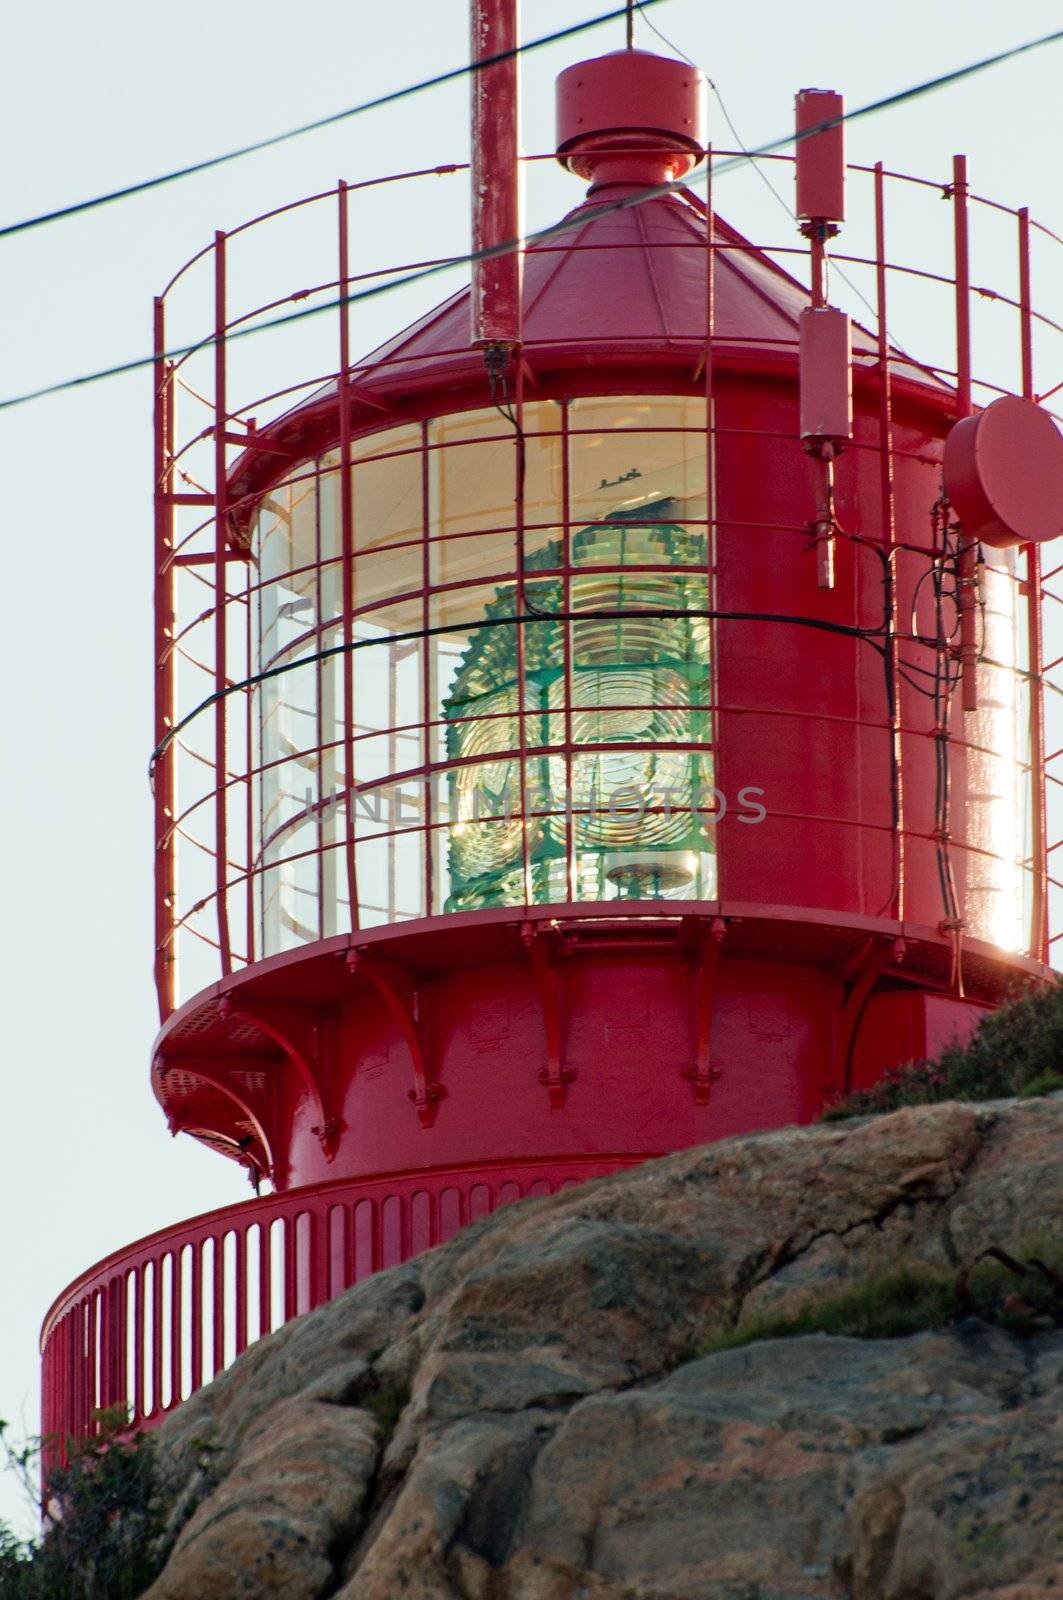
(99, 96)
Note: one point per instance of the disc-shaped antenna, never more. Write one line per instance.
(1004, 473)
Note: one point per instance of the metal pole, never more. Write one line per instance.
(163, 783)
(968, 575)
(889, 540)
(1035, 628)
(495, 175)
(252, 704)
(347, 558)
(710, 506)
(429, 678)
(221, 758)
(197, 1313)
(572, 876)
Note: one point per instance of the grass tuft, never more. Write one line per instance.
(1024, 1299)
(1015, 1052)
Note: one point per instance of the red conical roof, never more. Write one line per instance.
(614, 286)
(613, 281)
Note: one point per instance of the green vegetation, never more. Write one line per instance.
(104, 1538)
(1016, 1051)
(385, 1404)
(1025, 1297)
(100, 1541)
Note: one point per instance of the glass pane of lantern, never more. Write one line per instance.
(287, 542)
(390, 878)
(472, 490)
(292, 911)
(569, 746)
(995, 888)
(616, 466)
(387, 492)
(543, 477)
(620, 687)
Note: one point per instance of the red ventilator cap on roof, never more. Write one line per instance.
(1004, 473)
(630, 117)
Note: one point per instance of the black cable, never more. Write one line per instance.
(887, 102)
(379, 101)
(761, 174)
(944, 689)
(866, 635)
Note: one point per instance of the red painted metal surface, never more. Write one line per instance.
(877, 728)
(162, 784)
(820, 156)
(495, 175)
(826, 375)
(1004, 473)
(630, 117)
(151, 1323)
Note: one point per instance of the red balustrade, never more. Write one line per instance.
(152, 1323)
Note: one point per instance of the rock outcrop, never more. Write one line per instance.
(527, 1413)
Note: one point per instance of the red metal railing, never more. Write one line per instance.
(152, 1323)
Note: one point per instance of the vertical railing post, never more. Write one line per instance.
(241, 1290)
(196, 1374)
(319, 1256)
(92, 1386)
(960, 191)
(139, 1321)
(218, 1307)
(54, 1378)
(78, 1367)
(710, 505)
(156, 1334)
(176, 1324)
(522, 644)
(251, 702)
(265, 1277)
(78, 1409)
(51, 1370)
(571, 870)
(221, 527)
(104, 1397)
(428, 687)
(163, 775)
(968, 574)
(116, 1332)
(347, 553)
(889, 541)
(291, 1281)
(1035, 629)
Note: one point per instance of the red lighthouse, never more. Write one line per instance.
(605, 718)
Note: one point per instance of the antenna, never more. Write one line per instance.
(631, 24)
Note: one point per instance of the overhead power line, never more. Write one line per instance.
(885, 103)
(77, 207)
